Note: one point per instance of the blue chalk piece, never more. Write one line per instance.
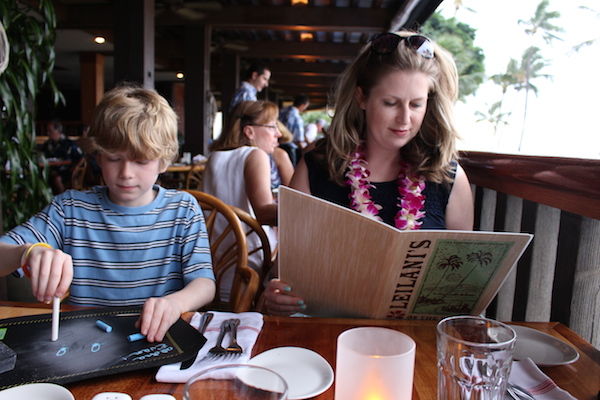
(104, 326)
(135, 337)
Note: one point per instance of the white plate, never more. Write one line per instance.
(306, 372)
(543, 349)
(38, 391)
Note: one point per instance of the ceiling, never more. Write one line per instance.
(265, 30)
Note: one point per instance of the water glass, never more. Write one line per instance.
(236, 382)
(474, 358)
(374, 363)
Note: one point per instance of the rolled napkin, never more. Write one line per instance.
(247, 332)
(527, 375)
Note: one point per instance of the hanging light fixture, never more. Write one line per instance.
(306, 37)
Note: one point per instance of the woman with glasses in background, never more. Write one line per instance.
(238, 170)
(389, 152)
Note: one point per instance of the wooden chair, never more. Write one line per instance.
(228, 255)
(253, 227)
(193, 179)
(78, 174)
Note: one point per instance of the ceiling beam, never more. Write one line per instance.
(365, 20)
(275, 49)
(302, 18)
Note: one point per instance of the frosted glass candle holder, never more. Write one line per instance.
(374, 364)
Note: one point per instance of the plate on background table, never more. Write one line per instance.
(543, 349)
(46, 391)
(306, 372)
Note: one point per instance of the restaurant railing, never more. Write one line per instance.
(558, 200)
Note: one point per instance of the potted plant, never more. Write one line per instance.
(31, 34)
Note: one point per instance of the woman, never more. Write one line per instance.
(389, 152)
(238, 171)
(282, 165)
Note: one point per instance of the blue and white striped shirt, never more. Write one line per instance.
(290, 117)
(123, 255)
(246, 92)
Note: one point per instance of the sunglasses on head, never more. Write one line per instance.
(385, 43)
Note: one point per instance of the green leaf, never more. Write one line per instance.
(31, 34)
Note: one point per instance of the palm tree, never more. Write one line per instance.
(538, 24)
(494, 114)
(450, 263)
(479, 259)
(532, 63)
(590, 41)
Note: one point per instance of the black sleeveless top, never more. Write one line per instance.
(385, 194)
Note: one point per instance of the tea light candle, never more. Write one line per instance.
(374, 364)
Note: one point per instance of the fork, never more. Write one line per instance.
(518, 393)
(234, 348)
(218, 350)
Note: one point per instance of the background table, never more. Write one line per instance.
(581, 379)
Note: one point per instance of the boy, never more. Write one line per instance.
(130, 242)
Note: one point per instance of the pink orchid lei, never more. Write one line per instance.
(411, 199)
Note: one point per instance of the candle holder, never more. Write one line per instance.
(374, 364)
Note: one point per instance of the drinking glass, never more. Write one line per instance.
(236, 382)
(374, 363)
(474, 358)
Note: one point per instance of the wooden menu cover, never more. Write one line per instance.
(84, 351)
(347, 265)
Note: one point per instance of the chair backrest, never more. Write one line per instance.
(253, 227)
(78, 174)
(228, 254)
(193, 179)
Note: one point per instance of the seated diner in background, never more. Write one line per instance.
(130, 242)
(282, 167)
(393, 132)
(239, 170)
(59, 148)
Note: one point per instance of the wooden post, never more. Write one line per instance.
(197, 89)
(134, 42)
(92, 83)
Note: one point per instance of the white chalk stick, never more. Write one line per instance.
(55, 318)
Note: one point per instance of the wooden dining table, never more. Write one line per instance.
(179, 168)
(580, 378)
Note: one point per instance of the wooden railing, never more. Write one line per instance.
(558, 200)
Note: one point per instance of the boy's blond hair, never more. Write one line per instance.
(136, 120)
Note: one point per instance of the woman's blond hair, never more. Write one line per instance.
(432, 151)
(136, 120)
(245, 113)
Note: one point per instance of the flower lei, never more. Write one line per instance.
(410, 188)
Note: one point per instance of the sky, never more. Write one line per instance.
(563, 120)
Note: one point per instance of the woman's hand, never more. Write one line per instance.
(279, 299)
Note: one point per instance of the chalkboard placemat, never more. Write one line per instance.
(83, 350)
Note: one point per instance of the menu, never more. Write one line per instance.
(344, 264)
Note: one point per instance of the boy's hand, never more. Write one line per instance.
(51, 273)
(158, 315)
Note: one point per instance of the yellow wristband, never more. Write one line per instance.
(26, 253)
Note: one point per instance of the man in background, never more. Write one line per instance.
(314, 130)
(255, 80)
(290, 117)
(59, 149)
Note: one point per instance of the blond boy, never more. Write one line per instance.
(130, 242)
